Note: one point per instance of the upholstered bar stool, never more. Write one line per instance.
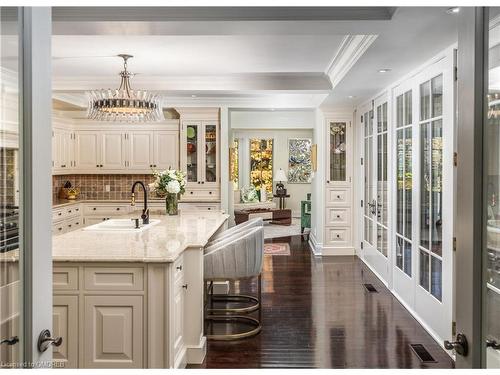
(255, 222)
(236, 257)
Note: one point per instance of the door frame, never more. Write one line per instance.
(472, 69)
(35, 108)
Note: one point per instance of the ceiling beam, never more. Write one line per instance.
(243, 13)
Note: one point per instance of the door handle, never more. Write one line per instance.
(460, 345)
(11, 341)
(45, 341)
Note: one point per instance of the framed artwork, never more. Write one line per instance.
(299, 161)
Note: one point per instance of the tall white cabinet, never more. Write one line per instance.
(200, 153)
(338, 211)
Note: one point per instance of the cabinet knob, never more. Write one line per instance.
(60, 213)
(179, 268)
(97, 165)
(117, 208)
(338, 216)
(209, 192)
(338, 235)
(94, 208)
(190, 192)
(150, 165)
(101, 165)
(202, 182)
(338, 196)
(185, 286)
(327, 181)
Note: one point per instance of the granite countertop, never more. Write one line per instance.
(161, 243)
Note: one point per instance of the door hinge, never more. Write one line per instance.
(453, 329)
(455, 159)
(361, 245)
(455, 73)
(454, 243)
(361, 118)
(361, 202)
(361, 161)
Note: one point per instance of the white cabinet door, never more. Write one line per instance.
(112, 150)
(140, 150)
(66, 149)
(113, 332)
(56, 149)
(87, 150)
(65, 325)
(166, 150)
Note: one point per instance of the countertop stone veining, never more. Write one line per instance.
(161, 243)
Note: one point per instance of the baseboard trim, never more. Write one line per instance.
(337, 251)
(314, 245)
(196, 353)
(181, 359)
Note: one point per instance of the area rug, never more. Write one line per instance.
(276, 249)
(275, 231)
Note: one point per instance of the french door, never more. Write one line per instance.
(375, 203)
(408, 196)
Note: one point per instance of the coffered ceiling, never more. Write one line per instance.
(267, 57)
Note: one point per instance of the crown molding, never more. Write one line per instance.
(351, 49)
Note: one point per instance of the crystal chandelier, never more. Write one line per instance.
(124, 104)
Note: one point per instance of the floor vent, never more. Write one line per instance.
(422, 353)
(370, 288)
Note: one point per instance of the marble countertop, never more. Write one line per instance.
(161, 243)
(58, 203)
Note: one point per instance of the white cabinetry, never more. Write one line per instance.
(87, 150)
(66, 219)
(200, 153)
(338, 190)
(91, 149)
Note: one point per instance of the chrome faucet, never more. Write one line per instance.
(145, 211)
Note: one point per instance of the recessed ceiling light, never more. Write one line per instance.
(453, 10)
(385, 70)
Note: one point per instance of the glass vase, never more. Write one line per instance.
(172, 204)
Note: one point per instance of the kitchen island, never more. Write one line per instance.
(132, 299)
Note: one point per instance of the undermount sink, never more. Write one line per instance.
(121, 225)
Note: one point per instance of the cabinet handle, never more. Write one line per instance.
(202, 182)
(327, 181)
(338, 216)
(101, 165)
(210, 192)
(338, 196)
(59, 228)
(185, 286)
(117, 208)
(69, 211)
(60, 213)
(150, 165)
(338, 235)
(190, 192)
(97, 165)
(69, 225)
(179, 267)
(209, 208)
(95, 208)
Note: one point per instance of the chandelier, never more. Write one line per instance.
(124, 104)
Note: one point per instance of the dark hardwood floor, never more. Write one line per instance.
(317, 314)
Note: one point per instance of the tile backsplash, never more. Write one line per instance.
(93, 186)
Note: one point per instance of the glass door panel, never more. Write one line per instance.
(210, 153)
(192, 158)
(381, 203)
(431, 172)
(10, 280)
(337, 152)
(404, 182)
(369, 209)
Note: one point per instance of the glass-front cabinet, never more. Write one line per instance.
(200, 158)
(338, 143)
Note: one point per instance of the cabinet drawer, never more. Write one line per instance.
(199, 207)
(65, 278)
(338, 216)
(73, 224)
(338, 236)
(340, 196)
(65, 325)
(101, 278)
(66, 212)
(106, 209)
(205, 194)
(59, 228)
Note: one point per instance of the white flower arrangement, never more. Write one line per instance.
(169, 181)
